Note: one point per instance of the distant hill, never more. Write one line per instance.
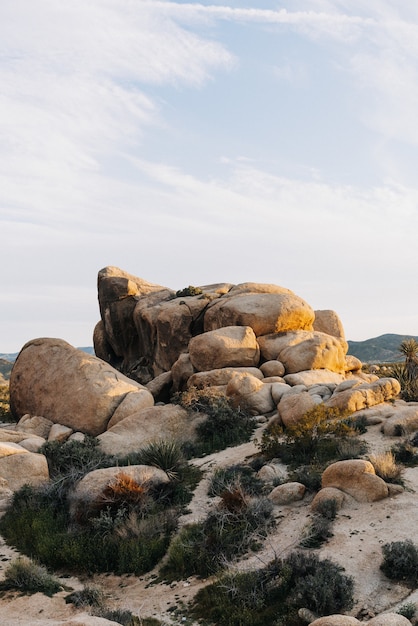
(383, 349)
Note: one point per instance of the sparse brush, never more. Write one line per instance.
(223, 426)
(386, 467)
(89, 596)
(25, 574)
(317, 532)
(400, 561)
(164, 454)
(5, 413)
(124, 490)
(407, 610)
(244, 475)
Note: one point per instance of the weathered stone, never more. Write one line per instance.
(301, 350)
(272, 471)
(83, 392)
(364, 395)
(220, 376)
(132, 403)
(266, 313)
(329, 494)
(352, 363)
(278, 390)
(389, 619)
(232, 346)
(249, 392)
(336, 620)
(272, 368)
(328, 322)
(58, 432)
(181, 371)
(168, 421)
(20, 467)
(88, 493)
(292, 407)
(357, 478)
(403, 421)
(35, 425)
(314, 377)
(287, 493)
(160, 387)
(33, 443)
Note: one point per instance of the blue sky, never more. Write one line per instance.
(191, 143)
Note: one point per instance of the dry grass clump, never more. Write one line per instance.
(386, 466)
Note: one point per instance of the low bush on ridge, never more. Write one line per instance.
(24, 574)
(273, 594)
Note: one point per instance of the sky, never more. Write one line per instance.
(191, 143)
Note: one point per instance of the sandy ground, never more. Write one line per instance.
(359, 532)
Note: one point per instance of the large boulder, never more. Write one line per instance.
(402, 421)
(169, 421)
(232, 346)
(293, 406)
(275, 310)
(302, 350)
(363, 395)
(20, 467)
(250, 393)
(389, 619)
(328, 322)
(220, 376)
(356, 478)
(69, 387)
(336, 620)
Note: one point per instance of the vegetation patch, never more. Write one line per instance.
(128, 531)
(272, 595)
(223, 425)
(26, 575)
(238, 525)
(5, 413)
(400, 561)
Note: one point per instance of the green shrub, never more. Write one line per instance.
(314, 439)
(188, 291)
(224, 425)
(272, 595)
(317, 532)
(400, 561)
(406, 453)
(163, 453)
(5, 413)
(26, 575)
(408, 610)
(235, 475)
(89, 596)
(77, 457)
(227, 533)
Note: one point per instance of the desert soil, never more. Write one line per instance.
(359, 533)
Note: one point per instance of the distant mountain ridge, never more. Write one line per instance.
(382, 349)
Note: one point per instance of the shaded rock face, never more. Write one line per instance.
(52, 379)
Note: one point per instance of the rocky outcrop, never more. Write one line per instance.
(363, 395)
(52, 379)
(231, 346)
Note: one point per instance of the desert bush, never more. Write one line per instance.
(88, 596)
(308, 475)
(227, 533)
(223, 426)
(386, 467)
(406, 453)
(165, 454)
(317, 532)
(75, 458)
(5, 413)
(408, 610)
(314, 439)
(274, 593)
(400, 561)
(24, 574)
(235, 475)
(189, 291)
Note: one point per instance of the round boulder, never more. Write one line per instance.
(357, 478)
(232, 346)
(69, 387)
